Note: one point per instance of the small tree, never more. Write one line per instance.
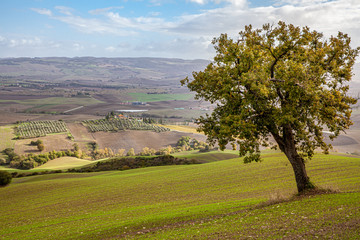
(76, 147)
(120, 152)
(131, 152)
(41, 147)
(284, 81)
(5, 178)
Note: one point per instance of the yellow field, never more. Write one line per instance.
(183, 128)
(64, 163)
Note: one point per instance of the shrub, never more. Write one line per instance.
(41, 147)
(5, 178)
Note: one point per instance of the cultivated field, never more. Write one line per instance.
(218, 200)
(140, 139)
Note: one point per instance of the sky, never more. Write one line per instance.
(155, 28)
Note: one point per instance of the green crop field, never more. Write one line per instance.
(144, 97)
(217, 200)
(6, 133)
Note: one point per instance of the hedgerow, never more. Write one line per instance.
(125, 163)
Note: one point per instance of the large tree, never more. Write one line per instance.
(281, 81)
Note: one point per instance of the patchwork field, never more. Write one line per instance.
(144, 97)
(218, 200)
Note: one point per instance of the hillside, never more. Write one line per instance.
(217, 200)
(91, 71)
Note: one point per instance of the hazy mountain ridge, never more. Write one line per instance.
(112, 70)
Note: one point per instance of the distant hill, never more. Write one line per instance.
(107, 71)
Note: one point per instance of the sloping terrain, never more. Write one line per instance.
(92, 71)
(217, 200)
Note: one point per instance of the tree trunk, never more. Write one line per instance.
(297, 162)
(287, 145)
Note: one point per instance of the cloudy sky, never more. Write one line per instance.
(155, 28)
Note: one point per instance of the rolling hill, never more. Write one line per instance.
(219, 200)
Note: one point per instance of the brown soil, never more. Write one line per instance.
(57, 142)
(140, 139)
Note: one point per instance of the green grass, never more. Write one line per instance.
(6, 135)
(211, 156)
(144, 97)
(216, 200)
(64, 163)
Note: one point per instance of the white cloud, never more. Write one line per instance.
(239, 3)
(64, 10)
(103, 10)
(190, 34)
(78, 47)
(110, 49)
(24, 42)
(42, 11)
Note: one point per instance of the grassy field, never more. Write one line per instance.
(64, 163)
(216, 200)
(181, 128)
(7, 134)
(144, 97)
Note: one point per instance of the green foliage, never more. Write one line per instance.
(36, 143)
(138, 162)
(115, 124)
(32, 129)
(34, 160)
(186, 143)
(131, 152)
(283, 81)
(5, 178)
(41, 147)
(76, 147)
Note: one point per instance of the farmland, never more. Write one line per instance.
(208, 201)
(144, 97)
(121, 124)
(33, 129)
(220, 199)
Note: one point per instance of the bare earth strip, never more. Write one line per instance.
(80, 132)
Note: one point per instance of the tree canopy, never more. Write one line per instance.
(284, 82)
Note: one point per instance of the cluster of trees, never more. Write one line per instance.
(187, 144)
(34, 160)
(183, 144)
(39, 144)
(149, 120)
